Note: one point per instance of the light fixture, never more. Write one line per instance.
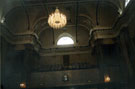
(2, 20)
(107, 79)
(57, 19)
(23, 85)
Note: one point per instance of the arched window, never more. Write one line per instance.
(126, 2)
(65, 41)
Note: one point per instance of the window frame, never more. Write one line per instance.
(65, 35)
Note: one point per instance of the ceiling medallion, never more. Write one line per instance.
(57, 19)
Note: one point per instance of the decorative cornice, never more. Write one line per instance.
(123, 22)
(21, 38)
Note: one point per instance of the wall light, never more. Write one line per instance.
(23, 85)
(107, 78)
(2, 20)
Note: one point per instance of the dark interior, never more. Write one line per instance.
(102, 56)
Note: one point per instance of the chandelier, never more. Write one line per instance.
(57, 20)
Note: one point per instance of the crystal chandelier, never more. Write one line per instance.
(57, 20)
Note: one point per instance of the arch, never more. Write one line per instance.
(65, 39)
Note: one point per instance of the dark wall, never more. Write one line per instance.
(12, 65)
(128, 49)
(82, 69)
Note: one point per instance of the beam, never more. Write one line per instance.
(46, 7)
(34, 2)
(77, 21)
(97, 10)
(64, 51)
(26, 12)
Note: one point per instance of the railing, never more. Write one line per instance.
(61, 67)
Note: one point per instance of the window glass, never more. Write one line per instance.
(65, 41)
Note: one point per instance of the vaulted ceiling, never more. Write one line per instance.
(26, 20)
(30, 53)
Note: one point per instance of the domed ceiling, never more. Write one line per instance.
(25, 21)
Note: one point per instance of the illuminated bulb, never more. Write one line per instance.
(2, 20)
(57, 20)
(107, 79)
(22, 85)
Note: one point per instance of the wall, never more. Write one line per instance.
(46, 37)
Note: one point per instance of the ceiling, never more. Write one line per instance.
(23, 24)
(25, 21)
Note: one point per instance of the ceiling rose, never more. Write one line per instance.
(57, 19)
